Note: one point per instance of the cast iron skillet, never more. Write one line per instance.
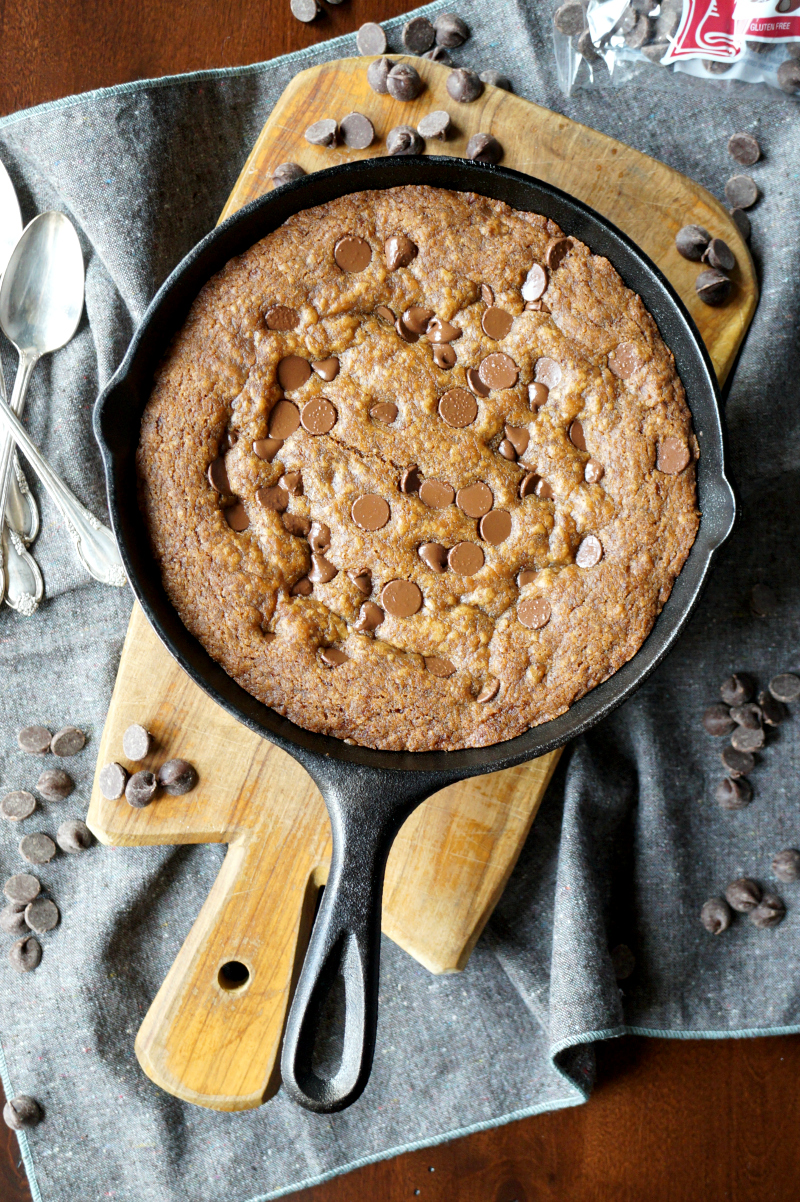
(369, 794)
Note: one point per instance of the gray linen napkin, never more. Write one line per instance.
(629, 841)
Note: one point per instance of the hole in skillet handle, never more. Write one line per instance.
(233, 975)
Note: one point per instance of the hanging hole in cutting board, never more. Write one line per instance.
(233, 975)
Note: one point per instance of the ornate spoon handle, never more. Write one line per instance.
(95, 544)
(25, 586)
(20, 509)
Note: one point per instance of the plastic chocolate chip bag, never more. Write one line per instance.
(612, 41)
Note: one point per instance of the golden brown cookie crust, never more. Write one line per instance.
(296, 631)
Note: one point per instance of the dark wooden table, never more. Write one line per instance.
(670, 1121)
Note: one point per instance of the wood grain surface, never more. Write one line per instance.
(669, 1121)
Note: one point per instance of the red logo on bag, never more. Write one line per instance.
(718, 29)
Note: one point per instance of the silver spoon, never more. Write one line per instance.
(95, 544)
(41, 301)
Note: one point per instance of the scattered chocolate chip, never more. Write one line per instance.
(401, 598)
(437, 494)
(305, 10)
(434, 555)
(484, 148)
(418, 35)
(140, 789)
(21, 1112)
(370, 617)
(275, 499)
(590, 552)
(68, 741)
(464, 85)
(593, 472)
(236, 517)
(742, 222)
(267, 448)
(475, 500)
(37, 849)
(332, 657)
(403, 82)
(488, 692)
(371, 39)
(789, 76)
(410, 481)
(465, 559)
(545, 490)
(744, 148)
(177, 777)
(535, 283)
(673, 456)
(450, 30)
(743, 894)
(55, 784)
(534, 612)
(357, 131)
(437, 666)
(785, 687)
(717, 720)
(438, 54)
(527, 486)
(476, 384)
(302, 587)
(746, 738)
(41, 915)
(495, 527)
(22, 888)
(404, 139)
(498, 371)
(691, 242)
(24, 956)
(73, 836)
(718, 254)
(439, 331)
(12, 919)
(741, 192)
(362, 581)
(737, 689)
(320, 537)
(786, 865)
(435, 125)
(570, 18)
(762, 600)
(538, 392)
(286, 173)
(733, 793)
(34, 739)
(112, 781)
(136, 742)
(18, 805)
(496, 323)
(444, 356)
(319, 416)
(352, 253)
(496, 80)
(713, 287)
(370, 512)
(378, 75)
(458, 408)
(747, 715)
(548, 372)
(769, 912)
(399, 251)
(716, 915)
(772, 711)
(385, 412)
(281, 318)
(323, 133)
(322, 570)
(738, 763)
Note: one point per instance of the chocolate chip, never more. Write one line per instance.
(267, 448)
(418, 35)
(593, 472)
(444, 356)
(487, 296)
(370, 512)
(464, 85)
(275, 499)
(68, 741)
(21, 1112)
(177, 777)
(713, 287)
(737, 689)
(484, 148)
(352, 253)
(438, 54)
(590, 552)
(292, 483)
(744, 148)
(73, 836)
(691, 242)
(41, 915)
(285, 416)
(136, 742)
(371, 39)
(302, 588)
(327, 369)
(641, 33)
(416, 319)
(404, 332)
(785, 687)
(496, 323)
(742, 222)
(403, 82)
(384, 313)
(762, 600)
(281, 318)
(538, 392)
(519, 437)
(362, 580)
(495, 527)
(410, 481)
(743, 894)
(586, 47)
(370, 617)
(786, 864)
(25, 955)
(772, 711)
(498, 371)
(437, 666)
(404, 139)
(534, 612)
(320, 537)
(450, 30)
(535, 283)
(655, 51)
(437, 494)
(305, 10)
(385, 412)
(465, 559)
(475, 500)
(576, 435)
(218, 476)
(673, 456)
(544, 490)
(18, 805)
(236, 517)
(332, 657)
(745, 738)
(733, 793)
(434, 555)
(401, 598)
(556, 251)
(714, 67)
(322, 570)
(141, 788)
(488, 692)
(12, 919)
(22, 888)
(34, 739)
(458, 408)
(357, 131)
(286, 173)
(718, 254)
(570, 18)
(496, 80)
(789, 76)
(716, 915)
(741, 192)
(37, 849)
(323, 133)
(769, 912)
(399, 251)
(624, 360)
(55, 784)
(435, 125)
(319, 416)
(738, 763)
(378, 75)
(548, 372)
(439, 331)
(112, 780)
(476, 384)
(747, 715)
(717, 720)
(528, 484)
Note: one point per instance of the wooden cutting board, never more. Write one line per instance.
(211, 1037)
